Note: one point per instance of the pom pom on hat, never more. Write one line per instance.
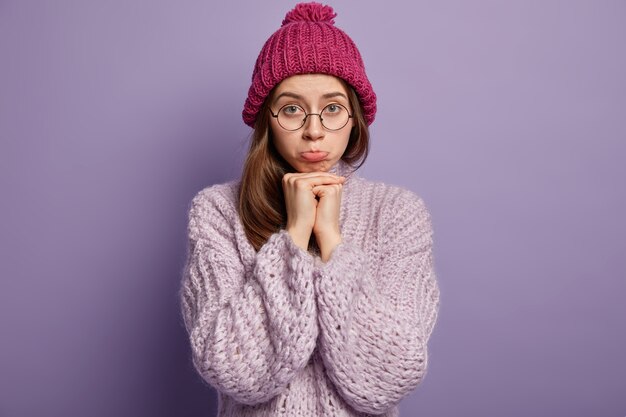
(308, 42)
(310, 12)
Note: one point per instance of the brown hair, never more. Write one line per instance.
(261, 200)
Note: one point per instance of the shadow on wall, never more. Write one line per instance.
(180, 390)
(183, 392)
(186, 395)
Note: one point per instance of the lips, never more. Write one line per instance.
(314, 156)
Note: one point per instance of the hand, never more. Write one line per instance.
(326, 227)
(301, 203)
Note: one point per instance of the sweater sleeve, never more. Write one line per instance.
(376, 315)
(251, 327)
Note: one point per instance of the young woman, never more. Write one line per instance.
(309, 291)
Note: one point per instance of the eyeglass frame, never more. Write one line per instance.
(306, 115)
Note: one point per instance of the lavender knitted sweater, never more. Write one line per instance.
(279, 332)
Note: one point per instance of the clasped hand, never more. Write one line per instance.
(313, 202)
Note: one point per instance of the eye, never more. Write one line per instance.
(333, 108)
(292, 110)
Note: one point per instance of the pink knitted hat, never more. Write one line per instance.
(308, 42)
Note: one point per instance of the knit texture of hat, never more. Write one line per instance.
(308, 43)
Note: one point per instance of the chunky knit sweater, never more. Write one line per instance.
(279, 332)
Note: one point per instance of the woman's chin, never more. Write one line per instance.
(321, 166)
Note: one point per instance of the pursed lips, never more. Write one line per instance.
(314, 156)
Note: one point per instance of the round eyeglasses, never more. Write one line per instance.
(292, 117)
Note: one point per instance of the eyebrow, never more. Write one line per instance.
(299, 97)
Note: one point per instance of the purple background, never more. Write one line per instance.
(508, 118)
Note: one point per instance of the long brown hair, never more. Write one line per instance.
(261, 199)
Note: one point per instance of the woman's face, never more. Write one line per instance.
(312, 147)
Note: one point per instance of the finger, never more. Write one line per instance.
(309, 182)
(315, 174)
(327, 190)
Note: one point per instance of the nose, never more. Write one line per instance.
(313, 129)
